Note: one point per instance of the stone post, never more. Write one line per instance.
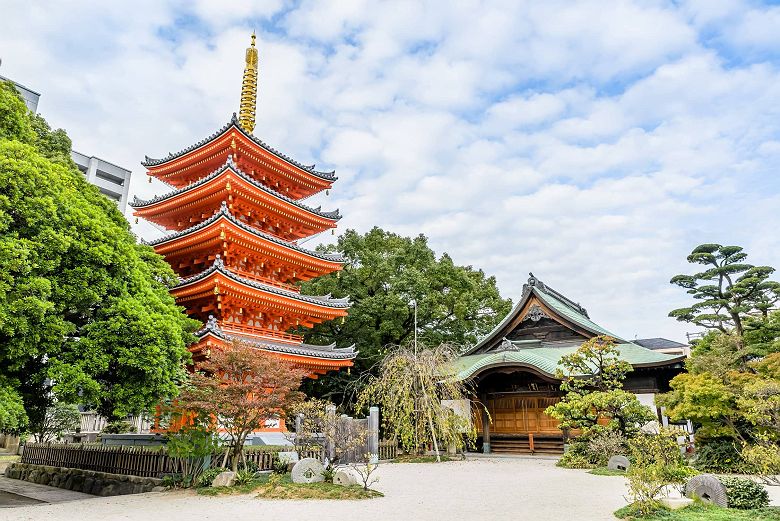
(330, 448)
(373, 433)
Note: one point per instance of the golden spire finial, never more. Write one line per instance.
(246, 115)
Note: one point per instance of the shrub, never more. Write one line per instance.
(574, 460)
(605, 444)
(191, 445)
(172, 481)
(280, 467)
(244, 477)
(328, 472)
(645, 484)
(207, 477)
(657, 463)
(764, 458)
(744, 493)
(118, 427)
(251, 466)
(720, 455)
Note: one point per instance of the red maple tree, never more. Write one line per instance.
(241, 388)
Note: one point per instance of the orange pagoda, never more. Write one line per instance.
(235, 216)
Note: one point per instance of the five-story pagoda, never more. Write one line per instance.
(235, 214)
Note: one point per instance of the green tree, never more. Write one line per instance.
(13, 418)
(728, 290)
(725, 396)
(85, 315)
(383, 274)
(59, 419)
(241, 388)
(410, 390)
(592, 378)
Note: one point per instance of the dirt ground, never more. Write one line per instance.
(482, 489)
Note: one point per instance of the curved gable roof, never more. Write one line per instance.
(566, 309)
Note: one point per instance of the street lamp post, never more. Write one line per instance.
(414, 303)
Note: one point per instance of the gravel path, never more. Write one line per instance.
(484, 489)
(477, 490)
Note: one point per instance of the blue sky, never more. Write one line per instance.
(593, 143)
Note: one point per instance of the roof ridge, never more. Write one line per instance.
(534, 282)
(219, 265)
(148, 161)
(230, 164)
(225, 211)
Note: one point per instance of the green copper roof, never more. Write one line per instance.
(545, 359)
(569, 313)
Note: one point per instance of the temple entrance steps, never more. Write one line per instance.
(527, 444)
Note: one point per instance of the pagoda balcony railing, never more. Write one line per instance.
(266, 280)
(277, 336)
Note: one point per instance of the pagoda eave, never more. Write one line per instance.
(219, 282)
(197, 202)
(223, 233)
(313, 364)
(187, 165)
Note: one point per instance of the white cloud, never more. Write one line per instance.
(593, 143)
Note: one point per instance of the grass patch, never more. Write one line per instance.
(701, 512)
(283, 488)
(10, 458)
(604, 471)
(412, 458)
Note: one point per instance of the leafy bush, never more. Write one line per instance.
(251, 466)
(744, 493)
(574, 460)
(244, 477)
(118, 427)
(764, 458)
(328, 472)
(172, 481)
(207, 476)
(604, 444)
(657, 463)
(191, 445)
(720, 455)
(280, 467)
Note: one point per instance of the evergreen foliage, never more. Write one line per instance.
(592, 378)
(85, 314)
(727, 290)
(383, 274)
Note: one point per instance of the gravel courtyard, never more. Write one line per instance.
(480, 489)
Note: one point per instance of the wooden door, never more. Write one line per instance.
(518, 414)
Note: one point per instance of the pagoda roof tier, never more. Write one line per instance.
(330, 352)
(223, 228)
(181, 208)
(219, 280)
(316, 360)
(186, 166)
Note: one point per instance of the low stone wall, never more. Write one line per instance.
(87, 481)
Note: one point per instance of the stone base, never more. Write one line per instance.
(87, 481)
(675, 503)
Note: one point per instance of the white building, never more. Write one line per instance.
(112, 180)
(30, 96)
